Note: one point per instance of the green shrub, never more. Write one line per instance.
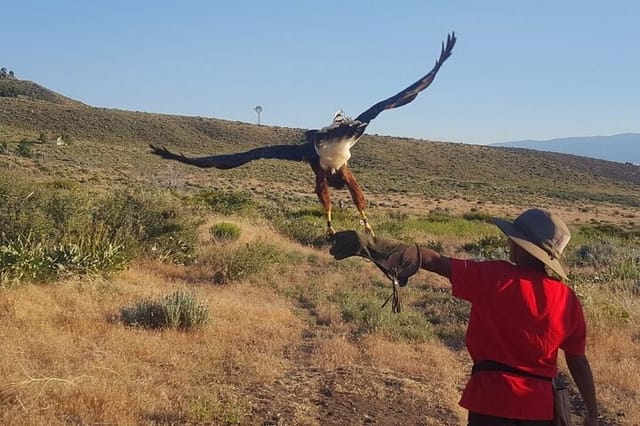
(92, 253)
(152, 223)
(24, 259)
(447, 314)
(305, 226)
(478, 216)
(4, 147)
(364, 309)
(35, 260)
(225, 231)
(24, 148)
(489, 247)
(78, 232)
(441, 224)
(246, 261)
(613, 258)
(178, 310)
(608, 230)
(597, 253)
(226, 203)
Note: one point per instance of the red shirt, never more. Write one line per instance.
(519, 317)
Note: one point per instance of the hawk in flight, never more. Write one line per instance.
(327, 150)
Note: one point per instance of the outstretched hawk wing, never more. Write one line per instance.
(300, 152)
(410, 93)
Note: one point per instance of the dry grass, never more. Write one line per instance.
(615, 357)
(71, 361)
(279, 348)
(274, 345)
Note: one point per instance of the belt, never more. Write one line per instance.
(498, 366)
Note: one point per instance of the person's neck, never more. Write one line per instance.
(532, 263)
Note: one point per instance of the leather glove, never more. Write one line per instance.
(397, 260)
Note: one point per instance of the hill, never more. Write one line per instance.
(23, 89)
(111, 144)
(98, 226)
(622, 148)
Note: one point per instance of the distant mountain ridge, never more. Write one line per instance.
(621, 148)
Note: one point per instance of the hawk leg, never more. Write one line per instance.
(356, 195)
(322, 191)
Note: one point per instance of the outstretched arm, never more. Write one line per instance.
(392, 256)
(435, 262)
(582, 376)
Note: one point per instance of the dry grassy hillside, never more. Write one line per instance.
(292, 336)
(23, 89)
(109, 146)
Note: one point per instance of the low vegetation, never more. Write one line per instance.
(74, 229)
(178, 310)
(137, 292)
(53, 229)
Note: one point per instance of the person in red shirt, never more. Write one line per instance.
(520, 317)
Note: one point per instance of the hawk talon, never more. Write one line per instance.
(330, 231)
(367, 228)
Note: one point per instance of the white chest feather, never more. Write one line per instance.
(334, 153)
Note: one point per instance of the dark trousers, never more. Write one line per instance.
(483, 420)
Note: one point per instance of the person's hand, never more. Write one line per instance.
(395, 258)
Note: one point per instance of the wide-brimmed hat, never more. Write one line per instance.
(542, 234)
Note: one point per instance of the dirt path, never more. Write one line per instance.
(350, 395)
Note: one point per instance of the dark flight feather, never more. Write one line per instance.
(301, 152)
(410, 93)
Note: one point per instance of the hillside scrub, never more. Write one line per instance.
(53, 229)
(291, 336)
(285, 324)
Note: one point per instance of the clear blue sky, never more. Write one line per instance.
(520, 69)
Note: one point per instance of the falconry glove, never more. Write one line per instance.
(397, 260)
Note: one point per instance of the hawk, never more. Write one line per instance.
(327, 150)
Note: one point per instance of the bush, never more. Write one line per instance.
(225, 231)
(597, 253)
(246, 261)
(24, 259)
(441, 224)
(178, 311)
(24, 148)
(364, 309)
(490, 247)
(150, 223)
(478, 216)
(57, 228)
(32, 259)
(226, 203)
(305, 226)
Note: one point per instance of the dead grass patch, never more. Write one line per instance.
(70, 356)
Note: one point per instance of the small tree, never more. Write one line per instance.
(3, 72)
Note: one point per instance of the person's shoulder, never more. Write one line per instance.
(563, 291)
(486, 267)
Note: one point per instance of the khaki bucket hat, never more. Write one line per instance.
(542, 234)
